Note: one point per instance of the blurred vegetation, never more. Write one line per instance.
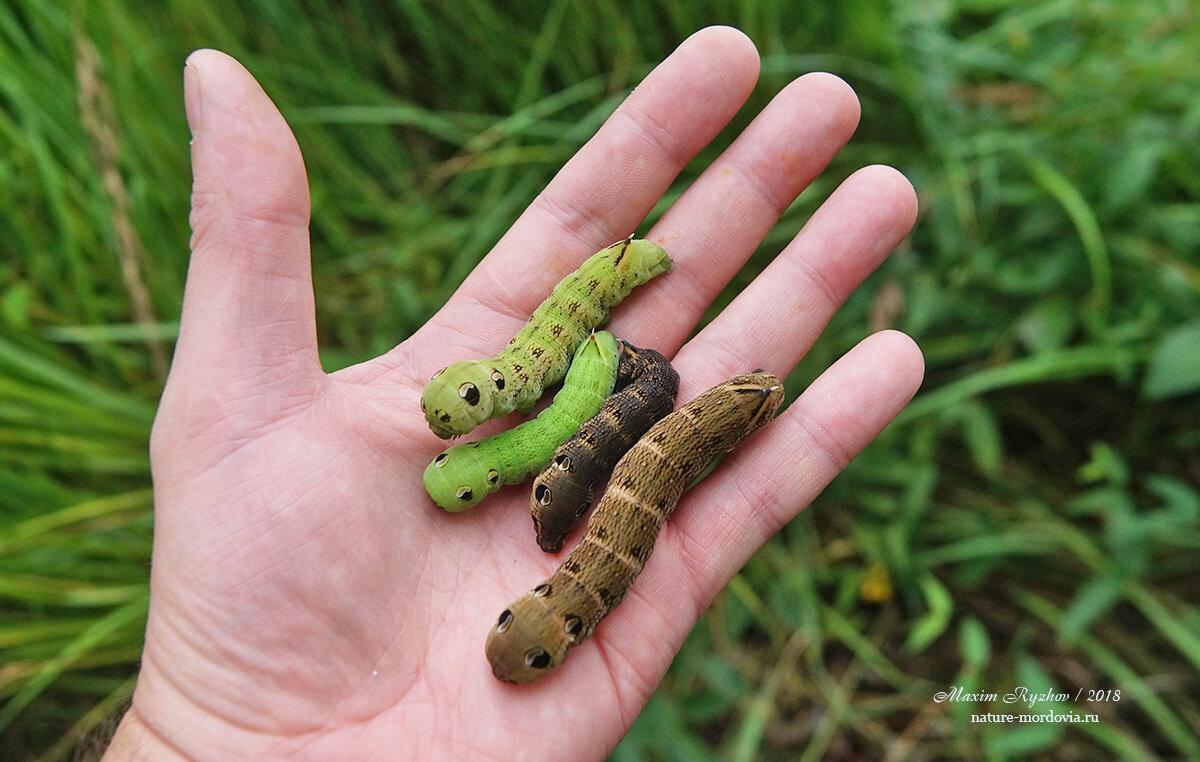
(1032, 519)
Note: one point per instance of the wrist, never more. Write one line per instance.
(135, 740)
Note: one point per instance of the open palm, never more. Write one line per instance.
(308, 599)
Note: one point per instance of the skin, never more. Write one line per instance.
(306, 599)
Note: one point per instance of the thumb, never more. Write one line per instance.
(248, 304)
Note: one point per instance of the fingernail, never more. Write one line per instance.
(192, 101)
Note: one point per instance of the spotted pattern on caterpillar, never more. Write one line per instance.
(461, 396)
(535, 633)
(465, 474)
(562, 492)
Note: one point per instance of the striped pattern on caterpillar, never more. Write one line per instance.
(562, 492)
(535, 633)
(463, 395)
(465, 474)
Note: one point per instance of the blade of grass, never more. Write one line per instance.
(101, 713)
(1083, 217)
(1081, 362)
(49, 591)
(132, 332)
(1159, 712)
(749, 737)
(1184, 638)
(57, 377)
(88, 640)
(46, 528)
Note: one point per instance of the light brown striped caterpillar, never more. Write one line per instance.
(562, 492)
(534, 634)
(463, 395)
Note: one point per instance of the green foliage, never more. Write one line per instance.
(1175, 365)
(1031, 519)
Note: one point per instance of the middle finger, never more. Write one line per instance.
(774, 321)
(722, 218)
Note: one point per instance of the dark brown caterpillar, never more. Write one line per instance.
(562, 492)
(534, 634)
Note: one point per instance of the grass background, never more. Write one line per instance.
(1032, 518)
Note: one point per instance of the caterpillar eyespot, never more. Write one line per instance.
(562, 492)
(469, 392)
(537, 658)
(461, 396)
(465, 474)
(572, 625)
(648, 481)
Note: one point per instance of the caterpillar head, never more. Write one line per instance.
(640, 258)
(530, 638)
(459, 397)
(759, 396)
(557, 503)
(454, 480)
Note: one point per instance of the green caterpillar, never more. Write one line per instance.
(465, 394)
(534, 634)
(562, 492)
(465, 474)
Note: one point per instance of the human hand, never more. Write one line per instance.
(307, 598)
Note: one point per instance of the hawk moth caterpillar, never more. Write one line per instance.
(562, 492)
(464, 394)
(535, 633)
(465, 474)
